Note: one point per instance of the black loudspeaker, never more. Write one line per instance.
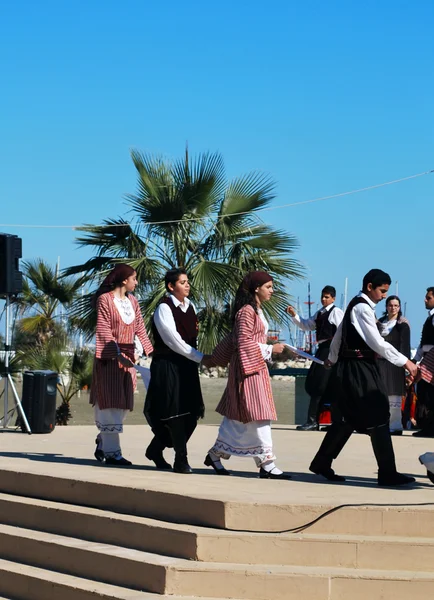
(39, 400)
(11, 279)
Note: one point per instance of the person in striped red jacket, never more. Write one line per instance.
(120, 339)
(247, 403)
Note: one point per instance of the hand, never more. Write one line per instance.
(411, 368)
(125, 362)
(136, 357)
(291, 311)
(328, 364)
(207, 361)
(278, 348)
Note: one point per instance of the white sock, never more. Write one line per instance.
(270, 467)
(216, 460)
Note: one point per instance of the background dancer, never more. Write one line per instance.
(174, 400)
(360, 390)
(247, 403)
(424, 390)
(120, 339)
(396, 330)
(324, 322)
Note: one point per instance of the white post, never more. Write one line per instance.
(396, 288)
(345, 292)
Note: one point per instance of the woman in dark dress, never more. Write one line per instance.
(395, 329)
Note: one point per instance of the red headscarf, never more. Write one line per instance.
(113, 280)
(255, 279)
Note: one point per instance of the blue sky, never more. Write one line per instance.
(325, 96)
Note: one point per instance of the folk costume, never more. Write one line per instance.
(119, 330)
(360, 391)
(424, 389)
(325, 323)
(174, 400)
(247, 404)
(397, 333)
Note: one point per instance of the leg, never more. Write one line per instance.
(385, 456)
(312, 415)
(159, 442)
(395, 424)
(177, 431)
(425, 409)
(335, 439)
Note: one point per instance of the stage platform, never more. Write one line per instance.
(107, 532)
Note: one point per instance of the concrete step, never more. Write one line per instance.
(24, 582)
(164, 575)
(211, 545)
(189, 508)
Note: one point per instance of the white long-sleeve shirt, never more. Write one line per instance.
(166, 327)
(421, 350)
(363, 318)
(335, 318)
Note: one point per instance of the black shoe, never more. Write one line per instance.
(99, 454)
(182, 467)
(263, 474)
(308, 427)
(394, 480)
(208, 462)
(424, 433)
(396, 432)
(326, 472)
(158, 459)
(119, 462)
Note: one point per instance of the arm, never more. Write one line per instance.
(363, 319)
(335, 345)
(336, 316)
(141, 330)
(106, 345)
(165, 324)
(250, 355)
(305, 324)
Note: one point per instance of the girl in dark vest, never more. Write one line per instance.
(396, 330)
(174, 400)
(359, 388)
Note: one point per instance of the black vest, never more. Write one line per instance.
(187, 326)
(352, 345)
(427, 332)
(324, 329)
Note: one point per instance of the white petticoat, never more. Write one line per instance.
(244, 439)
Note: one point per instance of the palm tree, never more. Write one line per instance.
(185, 213)
(44, 295)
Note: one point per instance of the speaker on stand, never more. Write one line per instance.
(39, 400)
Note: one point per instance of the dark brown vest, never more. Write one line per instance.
(186, 325)
(324, 329)
(427, 332)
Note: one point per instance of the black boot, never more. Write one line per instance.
(179, 438)
(309, 426)
(383, 449)
(154, 452)
(312, 415)
(335, 439)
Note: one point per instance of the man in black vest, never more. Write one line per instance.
(360, 392)
(324, 322)
(425, 391)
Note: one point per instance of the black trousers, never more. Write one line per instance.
(425, 406)
(174, 433)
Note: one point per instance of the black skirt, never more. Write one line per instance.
(174, 389)
(360, 393)
(394, 378)
(318, 376)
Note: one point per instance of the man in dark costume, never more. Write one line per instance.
(325, 322)
(425, 390)
(174, 400)
(359, 388)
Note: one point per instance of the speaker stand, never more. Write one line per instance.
(8, 381)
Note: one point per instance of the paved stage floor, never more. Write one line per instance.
(68, 452)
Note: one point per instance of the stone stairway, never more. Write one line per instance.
(145, 544)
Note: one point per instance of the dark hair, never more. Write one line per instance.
(394, 298)
(113, 280)
(247, 289)
(430, 289)
(329, 289)
(376, 277)
(172, 276)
